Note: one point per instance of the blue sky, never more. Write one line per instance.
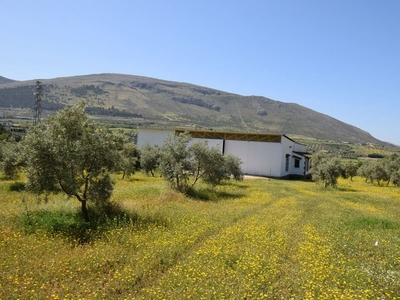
(338, 57)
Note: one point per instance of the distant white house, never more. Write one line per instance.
(271, 155)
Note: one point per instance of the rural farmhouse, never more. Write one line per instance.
(271, 155)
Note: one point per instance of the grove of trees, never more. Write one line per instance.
(328, 169)
(73, 155)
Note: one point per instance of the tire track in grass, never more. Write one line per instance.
(241, 260)
(185, 253)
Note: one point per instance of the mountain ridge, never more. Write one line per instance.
(5, 80)
(158, 102)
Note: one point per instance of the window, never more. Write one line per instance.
(297, 163)
(287, 163)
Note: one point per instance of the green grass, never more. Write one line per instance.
(256, 239)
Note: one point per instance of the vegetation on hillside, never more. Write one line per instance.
(163, 103)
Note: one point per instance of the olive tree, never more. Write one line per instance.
(395, 171)
(366, 171)
(212, 166)
(175, 161)
(350, 170)
(386, 170)
(326, 168)
(11, 159)
(129, 159)
(149, 158)
(181, 162)
(73, 155)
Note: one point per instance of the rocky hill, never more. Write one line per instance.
(154, 102)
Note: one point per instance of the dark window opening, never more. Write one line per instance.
(297, 163)
(287, 163)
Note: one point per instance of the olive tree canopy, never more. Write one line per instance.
(181, 162)
(71, 154)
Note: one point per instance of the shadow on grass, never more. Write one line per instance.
(71, 225)
(343, 189)
(371, 223)
(209, 194)
(17, 186)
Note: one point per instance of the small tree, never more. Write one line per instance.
(175, 161)
(326, 168)
(395, 171)
(11, 159)
(129, 159)
(366, 171)
(232, 167)
(382, 171)
(350, 170)
(211, 165)
(149, 158)
(179, 162)
(73, 155)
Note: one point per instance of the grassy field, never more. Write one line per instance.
(257, 239)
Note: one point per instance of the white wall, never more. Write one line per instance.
(299, 148)
(258, 158)
(210, 142)
(288, 146)
(152, 136)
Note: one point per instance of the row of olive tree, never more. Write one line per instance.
(328, 169)
(74, 155)
(383, 170)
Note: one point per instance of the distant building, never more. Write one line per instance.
(17, 129)
(7, 123)
(14, 128)
(271, 155)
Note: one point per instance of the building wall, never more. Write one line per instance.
(299, 148)
(152, 136)
(288, 146)
(258, 158)
(210, 142)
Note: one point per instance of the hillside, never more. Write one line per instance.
(154, 102)
(5, 80)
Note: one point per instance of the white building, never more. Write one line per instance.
(272, 155)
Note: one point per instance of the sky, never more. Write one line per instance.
(337, 57)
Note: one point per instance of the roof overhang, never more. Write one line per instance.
(235, 136)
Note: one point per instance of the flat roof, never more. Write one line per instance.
(226, 135)
(236, 136)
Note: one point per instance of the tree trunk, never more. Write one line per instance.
(85, 213)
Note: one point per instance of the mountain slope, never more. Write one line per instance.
(5, 80)
(151, 101)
